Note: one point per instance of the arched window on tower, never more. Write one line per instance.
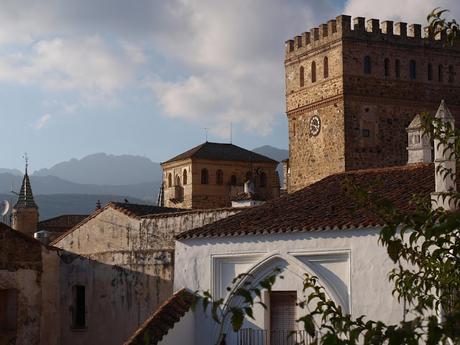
(325, 67)
(313, 71)
(233, 180)
(184, 177)
(440, 73)
(413, 69)
(204, 176)
(397, 69)
(451, 74)
(177, 180)
(301, 76)
(169, 180)
(219, 177)
(387, 67)
(367, 65)
(430, 72)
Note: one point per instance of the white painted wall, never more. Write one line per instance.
(352, 266)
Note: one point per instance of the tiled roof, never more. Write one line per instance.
(61, 223)
(326, 204)
(247, 196)
(225, 152)
(163, 319)
(25, 196)
(131, 210)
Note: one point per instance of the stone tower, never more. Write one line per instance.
(419, 142)
(351, 92)
(25, 212)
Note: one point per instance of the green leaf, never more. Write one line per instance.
(237, 318)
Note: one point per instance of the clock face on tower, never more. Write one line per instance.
(315, 125)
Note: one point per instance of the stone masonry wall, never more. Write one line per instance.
(376, 106)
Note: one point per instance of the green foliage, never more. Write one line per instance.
(438, 25)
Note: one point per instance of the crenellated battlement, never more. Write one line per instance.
(360, 28)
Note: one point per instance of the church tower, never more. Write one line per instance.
(352, 89)
(25, 212)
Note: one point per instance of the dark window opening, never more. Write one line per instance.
(313, 71)
(366, 133)
(387, 67)
(184, 177)
(413, 69)
(440, 73)
(219, 177)
(204, 176)
(325, 67)
(397, 69)
(302, 76)
(233, 180)
(79, 307)
(169, 180)
(8, 310)
(177, 180)
(367, 65)
(451, 74)
(430, 72)
(263, 179)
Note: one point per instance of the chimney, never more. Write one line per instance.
(419, 143)
(444, 160)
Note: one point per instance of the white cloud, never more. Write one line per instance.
(86, 66)
(42, 121)
(410, 11)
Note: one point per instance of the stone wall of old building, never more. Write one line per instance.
(196, 195)
(125, 264)
(379, 76)
(30, 270)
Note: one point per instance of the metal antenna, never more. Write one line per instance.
(231, 133)
(26, 158)
(206, 133)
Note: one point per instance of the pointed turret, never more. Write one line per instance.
(419, 142)
(444, 159)
(25, 211)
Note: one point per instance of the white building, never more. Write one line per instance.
(319, 230)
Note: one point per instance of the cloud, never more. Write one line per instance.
(87, 66)
(42, 121)
(411, 11)
(207, 61)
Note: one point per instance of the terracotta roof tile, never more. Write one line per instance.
(326, 204)
(163, 319)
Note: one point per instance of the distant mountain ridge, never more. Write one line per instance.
(61, 188)
(104, 169)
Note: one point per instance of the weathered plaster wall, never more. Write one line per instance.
(351, 264)
(127, 270)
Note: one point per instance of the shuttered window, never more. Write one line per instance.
(283, 310)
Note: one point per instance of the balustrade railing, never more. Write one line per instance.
(248, 336)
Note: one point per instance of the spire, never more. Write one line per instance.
(25, 196)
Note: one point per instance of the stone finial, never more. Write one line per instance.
(419, 142)
(332, 26)
(415, 30)
(444, 160)
(372, 25)
(306, 38)
(343, 24)
(314, 34)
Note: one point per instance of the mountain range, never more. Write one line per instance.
(74, 186)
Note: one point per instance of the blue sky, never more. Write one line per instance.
(146, 77)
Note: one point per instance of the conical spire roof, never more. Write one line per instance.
(26, 197)
(444, 112)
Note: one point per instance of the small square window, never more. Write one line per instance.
(366, 133)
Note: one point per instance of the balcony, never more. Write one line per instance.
(175, 193)
(248, 336)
